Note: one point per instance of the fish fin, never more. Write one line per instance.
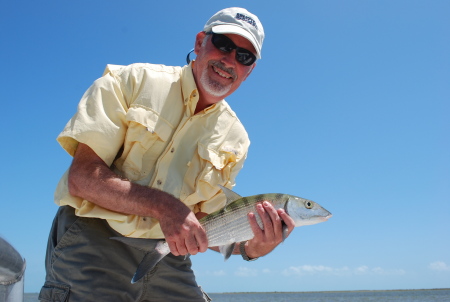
(148, 263)
(284, 229)
(231, 196)
(226, 250)
(286, 206)
(142, 244)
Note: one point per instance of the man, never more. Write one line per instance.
(151, 144)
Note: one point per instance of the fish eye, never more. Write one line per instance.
(308, 204)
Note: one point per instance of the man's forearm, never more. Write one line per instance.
(91, 179)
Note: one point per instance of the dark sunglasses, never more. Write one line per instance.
(223, 43)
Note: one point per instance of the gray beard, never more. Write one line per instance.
(213, 87)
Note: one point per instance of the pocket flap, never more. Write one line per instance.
(219, 158)
(151, 120)
(54, 292)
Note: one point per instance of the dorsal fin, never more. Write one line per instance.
(231, 196)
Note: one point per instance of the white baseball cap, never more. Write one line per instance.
(239, 21)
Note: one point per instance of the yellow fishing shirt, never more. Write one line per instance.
(140, 120)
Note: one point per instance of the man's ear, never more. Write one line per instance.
(199, 41)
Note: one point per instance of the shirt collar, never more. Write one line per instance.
(190, 92)
(189, 88)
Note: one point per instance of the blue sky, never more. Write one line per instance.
(349, 107)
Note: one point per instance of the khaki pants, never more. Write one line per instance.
(83, 264)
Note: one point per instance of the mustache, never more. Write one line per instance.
(222, 66)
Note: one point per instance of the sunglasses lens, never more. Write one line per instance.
(245, 57)
(223, 43)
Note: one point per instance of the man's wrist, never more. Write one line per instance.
(244, 253)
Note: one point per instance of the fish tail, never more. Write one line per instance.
(153, 254)
(149, 261)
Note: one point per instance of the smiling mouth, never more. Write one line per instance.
(222, 71)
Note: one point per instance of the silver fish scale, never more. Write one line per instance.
(231, 223)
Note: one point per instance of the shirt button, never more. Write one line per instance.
(158, 182)
(172, 150)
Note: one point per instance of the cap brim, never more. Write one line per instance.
(232, 29)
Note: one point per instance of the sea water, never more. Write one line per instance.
(349, 296)
(437, 295)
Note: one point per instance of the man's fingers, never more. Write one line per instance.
(254, 224)
(262, 214)
(273, 214)
(191, 245)
(185, 237)
(287, 219)
(173, 248)
(181, 247)
(271, 221)
(201, 241)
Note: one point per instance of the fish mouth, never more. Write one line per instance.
(325, 218)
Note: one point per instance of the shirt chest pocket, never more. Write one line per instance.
(146, 139)
(219, 160)
(208, 168)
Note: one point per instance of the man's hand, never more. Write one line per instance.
(267, 239)
(183, 232)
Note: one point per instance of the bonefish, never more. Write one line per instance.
(230, 225)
